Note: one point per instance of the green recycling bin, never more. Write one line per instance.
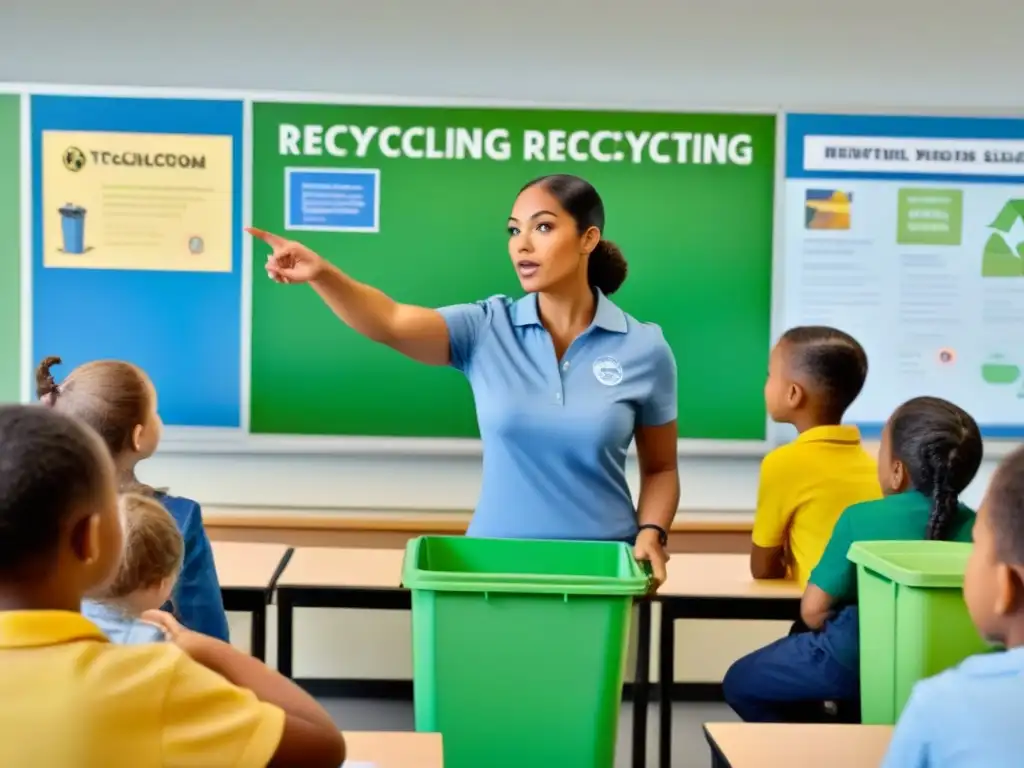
(519, 647)
(913, 620)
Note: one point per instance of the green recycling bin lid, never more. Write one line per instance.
(465, 564)
(928, 564)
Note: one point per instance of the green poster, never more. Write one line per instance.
(10, 251)
(414, 201)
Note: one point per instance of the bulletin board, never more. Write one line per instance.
(131, 204)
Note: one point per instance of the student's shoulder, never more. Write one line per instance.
(781, 460)
(870, 509)
(974, 679)
(183, 509)
(143, 670)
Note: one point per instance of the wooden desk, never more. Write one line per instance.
(318, 577)
(711, 587)
(394, 750)
(247, 575)
(769, 745)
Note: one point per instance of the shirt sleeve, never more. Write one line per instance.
(771, 519)
(210, 722)
(197, 601)
(835, 574)
(466, 325)
(662, 403)
(909, 747)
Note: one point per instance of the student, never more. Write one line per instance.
(814, 374)
(68, 697)
(970, 716)
(153, 552)
(931, 450)
(118, 401)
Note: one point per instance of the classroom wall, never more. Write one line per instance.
(731, 53)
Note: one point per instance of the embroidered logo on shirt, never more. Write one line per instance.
(608, 371)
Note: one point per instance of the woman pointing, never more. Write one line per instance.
(563, 380)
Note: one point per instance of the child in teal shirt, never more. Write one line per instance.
(930, 453)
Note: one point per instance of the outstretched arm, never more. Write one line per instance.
(417, 332)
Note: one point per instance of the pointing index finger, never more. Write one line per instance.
(274, 241)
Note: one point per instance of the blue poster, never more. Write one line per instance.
(332, 200)
(908, 233)
(136, 244)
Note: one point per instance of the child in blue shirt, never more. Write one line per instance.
(119, 402)
(970, 716)
(152, 554)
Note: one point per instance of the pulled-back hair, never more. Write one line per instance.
(834, 360)
(49, 464)
(940, 445)
(606, 267)
(111, 396)
(153, 547)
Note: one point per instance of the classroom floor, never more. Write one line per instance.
(689, 749)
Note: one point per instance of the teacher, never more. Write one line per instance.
(562, 378)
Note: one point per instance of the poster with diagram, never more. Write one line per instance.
(908, 232)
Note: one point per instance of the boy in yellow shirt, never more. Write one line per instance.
(71, 699)
(814, 374)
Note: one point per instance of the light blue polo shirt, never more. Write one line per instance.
(966, 717)
(555, 433)
(119, 627)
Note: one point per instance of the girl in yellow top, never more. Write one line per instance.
(71, 699)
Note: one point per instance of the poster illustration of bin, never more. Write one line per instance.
(136, 215)
(72, 227)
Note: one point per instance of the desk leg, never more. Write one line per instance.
(285, 614)
(641, 687)
(259, 633)
(666, 676)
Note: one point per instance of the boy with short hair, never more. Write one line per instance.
(814, 375)
(969, 716)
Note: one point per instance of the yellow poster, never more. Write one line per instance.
(137, 201)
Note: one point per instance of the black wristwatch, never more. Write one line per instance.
(662, 533)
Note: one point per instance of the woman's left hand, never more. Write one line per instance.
(648, 548)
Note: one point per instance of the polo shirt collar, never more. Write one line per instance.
(607, 316)
(36, 629)
(838, 433)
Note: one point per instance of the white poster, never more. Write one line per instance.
(908, 233)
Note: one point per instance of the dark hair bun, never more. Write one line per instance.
(607, 268)
(46, 386)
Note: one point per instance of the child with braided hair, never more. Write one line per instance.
(930, 453)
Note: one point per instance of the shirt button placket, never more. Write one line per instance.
(559, 396)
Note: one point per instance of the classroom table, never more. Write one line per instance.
(248, 573)
(711, 586)
(772, 745)
(382, 749)
(321, 577)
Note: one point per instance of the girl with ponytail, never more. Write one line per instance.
(931, 450)
(118, 401)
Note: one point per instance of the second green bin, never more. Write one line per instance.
(913, 620)
(519, 648)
